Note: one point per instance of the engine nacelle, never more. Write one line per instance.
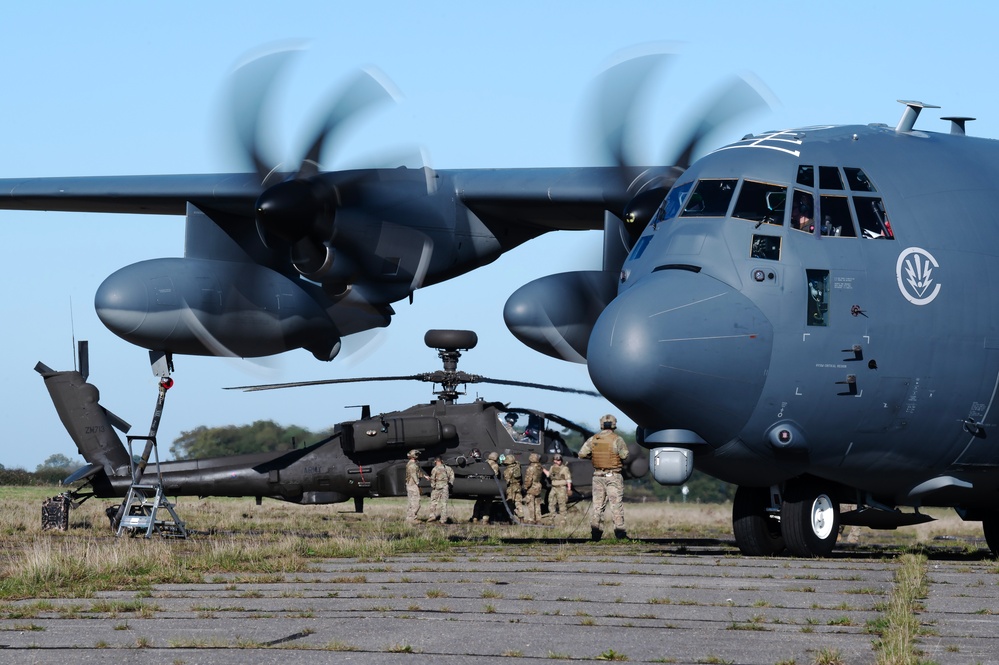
(214, 308)
(555, 314)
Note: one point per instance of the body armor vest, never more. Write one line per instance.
(604, 453)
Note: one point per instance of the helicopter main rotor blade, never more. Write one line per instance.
(324, 382)
(541, 386)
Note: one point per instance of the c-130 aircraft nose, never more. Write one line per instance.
(680, 350)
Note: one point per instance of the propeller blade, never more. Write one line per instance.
(323, 382)
(365, 91)
(736, 98)
(528, 384)
(249, 95)
(619, 90)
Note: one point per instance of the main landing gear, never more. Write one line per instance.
(805, 520)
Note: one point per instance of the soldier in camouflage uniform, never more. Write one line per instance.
(607, 451)
(511, 474)
(483, 506)
(413, 475)
(561, 480)
(441, 479)
(532, 490)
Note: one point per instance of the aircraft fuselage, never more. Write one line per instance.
(862, 349)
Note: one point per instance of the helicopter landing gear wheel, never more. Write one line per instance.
(990, 525)
(757, 533)
(809, 518)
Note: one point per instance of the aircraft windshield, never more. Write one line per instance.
(709, 199)
(761, 202)
(671, 207)
(525, 428)
(827, 201)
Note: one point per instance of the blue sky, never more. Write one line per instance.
(116, 88)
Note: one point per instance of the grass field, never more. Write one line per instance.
(237, 536)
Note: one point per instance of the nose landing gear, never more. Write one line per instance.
(805, 520)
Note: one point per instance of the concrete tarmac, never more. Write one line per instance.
(651, 601)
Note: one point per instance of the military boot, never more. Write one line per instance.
(620, 534)
(596, 533)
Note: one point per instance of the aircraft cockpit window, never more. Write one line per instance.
(761, 202)
(806, 176)
(709, 199)
(670, 208)
(829, 178)
(836, 219)
(858, 180)
(872, 218)
(803, 212)
(531, 432)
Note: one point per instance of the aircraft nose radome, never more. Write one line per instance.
(682, 350)
(122, 303)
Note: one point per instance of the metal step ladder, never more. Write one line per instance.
(145, 499)
(141, 511)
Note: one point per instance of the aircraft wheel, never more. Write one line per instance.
(990, 525)
(809, 518)
(756, 533)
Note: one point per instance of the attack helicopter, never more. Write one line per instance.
(361, 459)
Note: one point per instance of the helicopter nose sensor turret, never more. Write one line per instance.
(674, 342)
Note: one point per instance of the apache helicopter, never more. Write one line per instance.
(360, 459)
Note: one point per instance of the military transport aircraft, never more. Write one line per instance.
(362, 458)
(783, 313)
(805, 315)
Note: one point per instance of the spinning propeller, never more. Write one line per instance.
(556, 314)
(297, 210)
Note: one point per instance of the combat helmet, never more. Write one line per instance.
(413, 454)
(534, 458)
(493, 456)
(608, 422)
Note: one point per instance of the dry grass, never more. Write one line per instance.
(235, 536)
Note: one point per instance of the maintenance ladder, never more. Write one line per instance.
(141, 510)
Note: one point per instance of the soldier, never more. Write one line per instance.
(413, 475)
(483, 506)
(511, 474)
(532, 490)
(441, 479)
(561, 480)
(509, 423)
(607, 451)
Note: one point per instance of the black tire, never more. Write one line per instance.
(809, 518)
(756, 533)
(990, 525)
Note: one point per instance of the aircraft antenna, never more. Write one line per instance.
(957, 124)
(912, 109)
(72, 332)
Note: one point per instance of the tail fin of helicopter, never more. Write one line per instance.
(91, 426)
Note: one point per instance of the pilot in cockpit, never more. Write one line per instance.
(802, 213)
(510, 422)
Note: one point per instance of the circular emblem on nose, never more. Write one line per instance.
(915, 272)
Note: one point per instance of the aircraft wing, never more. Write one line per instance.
(547, 198)
(152, 195)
